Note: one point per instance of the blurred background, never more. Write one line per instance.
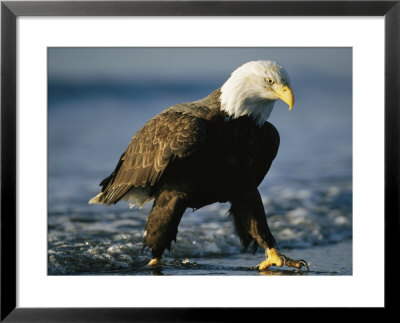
(98, 98)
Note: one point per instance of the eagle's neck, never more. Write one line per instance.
(239, 99)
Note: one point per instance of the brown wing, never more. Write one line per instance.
(167, 136)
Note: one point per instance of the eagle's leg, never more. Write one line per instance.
(251, 225)
(162, 224)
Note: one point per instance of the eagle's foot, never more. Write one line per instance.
(154, 262)
(275, 258)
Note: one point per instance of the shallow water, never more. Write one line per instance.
(307, 193)
(338, 263)
(313, 226)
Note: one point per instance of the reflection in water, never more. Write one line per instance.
(174, 265)
(283, 273)
(157, 271)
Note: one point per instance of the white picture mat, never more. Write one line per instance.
(364, 288)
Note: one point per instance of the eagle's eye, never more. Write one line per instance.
(269, 81)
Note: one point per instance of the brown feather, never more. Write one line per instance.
(150, 151)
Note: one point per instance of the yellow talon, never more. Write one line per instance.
(154, 262)
(275, 258)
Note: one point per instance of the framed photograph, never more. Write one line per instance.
(81, 79)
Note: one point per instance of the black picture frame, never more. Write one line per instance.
(10, 10)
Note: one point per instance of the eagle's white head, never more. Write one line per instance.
(253, 89)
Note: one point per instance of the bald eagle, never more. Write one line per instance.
(217, 149)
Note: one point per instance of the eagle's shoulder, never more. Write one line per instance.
(206, 108)
(171, 132)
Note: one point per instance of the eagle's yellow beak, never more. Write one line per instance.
(285, 94)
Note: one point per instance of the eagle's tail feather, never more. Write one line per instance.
(96, 199)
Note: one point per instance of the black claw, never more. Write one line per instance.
(304, 264)
(284, 260)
